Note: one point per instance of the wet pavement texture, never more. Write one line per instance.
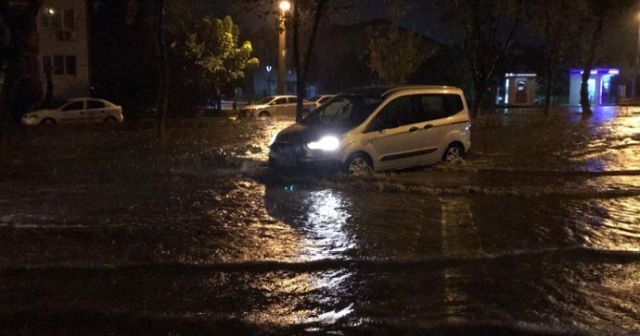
(536, 233)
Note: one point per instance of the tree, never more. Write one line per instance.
(488, 30)
(395, 53)
(17, 21)
(601, 11)
(301, 60)
(306, 19)
(558, 23)
(206, 52)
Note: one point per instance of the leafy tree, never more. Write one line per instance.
(488, 30)
(17, 21)
(395, 53)
(192, 51)
(206, 52)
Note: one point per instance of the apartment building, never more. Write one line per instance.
(62, 48)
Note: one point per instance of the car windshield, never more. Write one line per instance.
(265, 101)
(348, 110)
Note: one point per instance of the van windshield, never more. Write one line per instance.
(348, 110)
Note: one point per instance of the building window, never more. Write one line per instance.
(56, 20)
(69, 20)
(71, 64)
(46, 64)
(58, 65)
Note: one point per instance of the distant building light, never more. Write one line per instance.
(51, 11)
(269, 68)
(597, 71)
(512, 75)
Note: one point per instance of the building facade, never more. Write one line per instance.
(62, 48)
(600, 86)
(519, 90)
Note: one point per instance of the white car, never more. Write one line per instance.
(319, 100)
(276, 106)
(380, 128)
(76, 110)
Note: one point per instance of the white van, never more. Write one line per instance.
(380, 128)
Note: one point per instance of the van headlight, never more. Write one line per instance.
(327, 143)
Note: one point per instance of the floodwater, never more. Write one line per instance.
(536, 233)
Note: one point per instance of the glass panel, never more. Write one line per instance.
(397, 113)
(78, 105)
(94, 104)
(58, 65)
(71, 65)
(69, 20)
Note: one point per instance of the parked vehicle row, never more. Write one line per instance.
(379, 128)
(272, 106)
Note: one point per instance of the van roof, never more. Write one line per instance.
(386, 90)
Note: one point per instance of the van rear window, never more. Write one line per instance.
(437, 106)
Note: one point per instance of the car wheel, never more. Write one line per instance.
(48, 122)
(359, 165)
(454, 153)
(264, 114)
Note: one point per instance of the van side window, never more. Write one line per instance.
(281, 101)
(397, 113)
(438, 106)
(293, 100)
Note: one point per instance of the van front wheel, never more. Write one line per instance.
(359, 165)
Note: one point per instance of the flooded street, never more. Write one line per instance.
(536, 233)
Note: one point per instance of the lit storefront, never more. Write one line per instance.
(519, 90)
(601, 86)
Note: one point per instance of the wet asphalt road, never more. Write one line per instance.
(537, 233)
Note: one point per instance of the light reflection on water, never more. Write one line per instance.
(324, 226)
(612, 224)
(613, 140)
(319, 220)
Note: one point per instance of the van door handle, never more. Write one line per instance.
(413, 129)
(428, 126)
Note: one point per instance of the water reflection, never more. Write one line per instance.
(321, 216)
(612, 140)
(318, 220)
(612, 224)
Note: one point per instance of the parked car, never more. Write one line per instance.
(76, 110)
(380, 128)
(319, 100)
(276, 106)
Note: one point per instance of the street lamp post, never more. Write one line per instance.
(636, 65)
(269, 68)
(285, 6)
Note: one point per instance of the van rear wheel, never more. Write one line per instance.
(454, 153)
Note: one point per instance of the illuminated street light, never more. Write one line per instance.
(285, 6)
